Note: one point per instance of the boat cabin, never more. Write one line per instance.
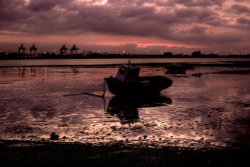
(128, 73)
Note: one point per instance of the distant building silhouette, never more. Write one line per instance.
(33, 50)
(63, 50)
(74, 50)
(21, 49)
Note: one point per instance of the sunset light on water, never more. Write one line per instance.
(193, 112)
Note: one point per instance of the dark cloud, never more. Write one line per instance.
(11, 11)
(195, 15)
(44, 5)
(127, 2)
(123, 22)
(137, 12)
(244, 21)
(240, 9)
(189, 3)
(202, 3)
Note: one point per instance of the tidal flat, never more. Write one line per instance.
(202, 119)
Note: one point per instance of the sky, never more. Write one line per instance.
(131, 26)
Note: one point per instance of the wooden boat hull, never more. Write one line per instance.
(144, 86)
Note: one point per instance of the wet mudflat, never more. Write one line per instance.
(20, 153)
(207, 108)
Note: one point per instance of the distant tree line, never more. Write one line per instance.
(199, 54)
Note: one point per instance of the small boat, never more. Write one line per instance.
(178, 68)
(127, 82)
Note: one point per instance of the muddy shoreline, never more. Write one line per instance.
(45, 153)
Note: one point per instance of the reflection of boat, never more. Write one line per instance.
(127, 82)
(126, 108)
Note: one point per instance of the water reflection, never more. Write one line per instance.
(22, 73)
(126, 108)
(213, 109)
(31, 72)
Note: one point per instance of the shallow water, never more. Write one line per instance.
(208, 111)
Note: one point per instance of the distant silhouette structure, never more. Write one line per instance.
(63, 50)
(168, 54)
(74, 50)
(196, 54)
(21, 49)
(33, 50)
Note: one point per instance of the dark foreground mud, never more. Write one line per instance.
(50, 154)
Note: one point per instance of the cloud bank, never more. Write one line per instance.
(197, 24)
